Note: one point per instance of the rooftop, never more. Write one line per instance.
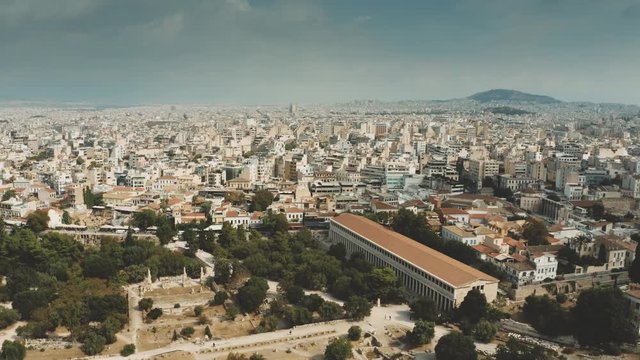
(450, 270)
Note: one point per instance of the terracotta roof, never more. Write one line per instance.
(416, 202)
(380, 205)
(482, 248)
(453, 211)
(431, 261)
(521, 266)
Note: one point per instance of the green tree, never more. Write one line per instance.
(187, 332)
(338, 349)
(297, 315)
(455, 345)
(424, 309)
(91, 199)
(145, 304)
(535, 232)
(597, 211)
(330, 310)
(421, 334)
(602, 315)
(228, 236)
(312, 302)
(339, 251)
(164, 231)
(220, 297)
(384, 285)
(517, 350)
(275, 223)
(261, 200)
(232, 311)
(357, 307)
(235, 197)
(294, 294)
(8, 317)
(92, 344)
(127, 350)
(602, 254)
(144, 219)
(354, 333)
(256, 356)
(485, 331)
(474, 307)
(222, 271)
(154, 314)
(8, 194)
(252, 294)
(26, 302)
(38, 221)
(634, 269)
(193, 243)
(13, 350)
(66, 218)
(546, 315)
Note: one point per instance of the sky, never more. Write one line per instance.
(302, 51)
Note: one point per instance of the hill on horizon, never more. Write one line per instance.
(512, 95)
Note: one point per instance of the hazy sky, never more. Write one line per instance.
(243, 51)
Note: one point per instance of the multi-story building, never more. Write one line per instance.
(631, 185)
(515, 184)
(632, 295)
(422, 270)
(480, 169)
(456, 233)
(395, 174)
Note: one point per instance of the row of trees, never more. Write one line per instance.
(145, 219)
(296, 260)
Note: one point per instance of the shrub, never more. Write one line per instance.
(128, 349)
(145, 304)
(154, 314)
(561, 298)
(354, 333)
(219, 298)
(92, 344)
(187, 332)
(485, 331)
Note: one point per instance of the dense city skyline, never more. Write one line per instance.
(250, 52)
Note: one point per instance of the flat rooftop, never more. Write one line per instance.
(431, 261)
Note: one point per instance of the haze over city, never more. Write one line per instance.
(265, 52)
(319, 180)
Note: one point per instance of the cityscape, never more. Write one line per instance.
(159, 219)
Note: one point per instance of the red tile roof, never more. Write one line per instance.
(431, 261)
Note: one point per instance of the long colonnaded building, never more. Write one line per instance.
(422, 270)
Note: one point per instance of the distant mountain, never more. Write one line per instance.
(512, 95)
